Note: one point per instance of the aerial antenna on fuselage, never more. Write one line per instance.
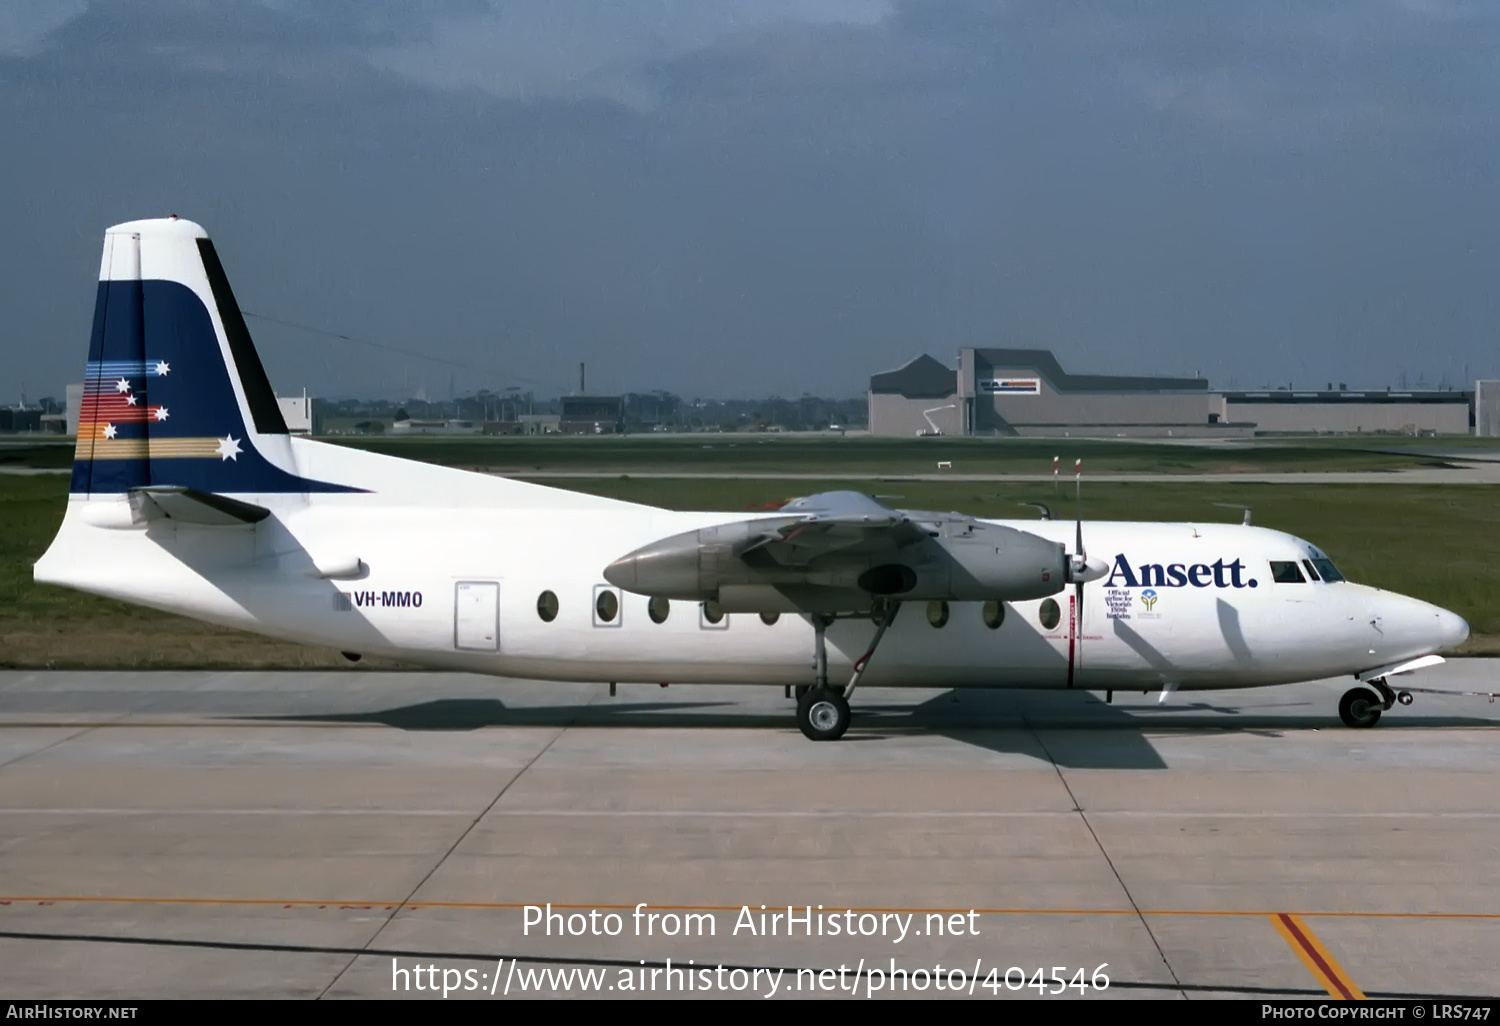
(1236, 505)
(1046, 512)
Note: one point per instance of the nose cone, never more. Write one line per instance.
(622, 573)
(1425, 625)
(1451, 629)
(1404, 627)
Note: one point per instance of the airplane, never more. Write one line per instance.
(189, 495)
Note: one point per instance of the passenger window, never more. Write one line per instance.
(994, 614)
(1287, 572)
(606, 606)
(1312, 574)
(1328, 570)
(546, 606)
(1049, 613)
(659, 608)
(937, 613)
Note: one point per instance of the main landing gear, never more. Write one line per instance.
(1361, 707)
(823, 710)
(823, 714)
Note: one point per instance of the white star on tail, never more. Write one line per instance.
(109, 431)
(160, 413)
(229, 449)
(130, 400)
(122, 385)
(162, 367)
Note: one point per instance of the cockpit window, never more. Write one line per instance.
(1287, 572)
(1311, 573)
(1328, 571)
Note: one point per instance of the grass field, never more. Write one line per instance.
(882, 457)
(1437, 542)
(878, 457)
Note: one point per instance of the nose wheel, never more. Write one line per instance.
(1360, 707)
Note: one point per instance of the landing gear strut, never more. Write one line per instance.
(823, 710)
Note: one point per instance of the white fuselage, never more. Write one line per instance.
(448, 550)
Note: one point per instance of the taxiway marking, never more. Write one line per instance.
(1324, 967)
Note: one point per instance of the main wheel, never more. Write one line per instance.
(1360, 707)
(823, 714)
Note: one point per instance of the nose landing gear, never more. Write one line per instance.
(1361, 707)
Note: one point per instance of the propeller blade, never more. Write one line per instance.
(1078, 486)
(1083, 557)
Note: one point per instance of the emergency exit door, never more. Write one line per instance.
(476, 616)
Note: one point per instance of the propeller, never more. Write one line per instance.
(1081, 569)
(1083, 556)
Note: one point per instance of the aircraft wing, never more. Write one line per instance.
(840, 551)
(824, 524)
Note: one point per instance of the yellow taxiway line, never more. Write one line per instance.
(1324, 967)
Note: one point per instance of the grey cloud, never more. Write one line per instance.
(26, 24)
(747, 206)
(578, 49)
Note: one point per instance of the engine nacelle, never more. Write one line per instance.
(959, 560)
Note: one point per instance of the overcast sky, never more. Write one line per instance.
(747, 197)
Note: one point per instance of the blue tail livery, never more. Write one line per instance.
(174, 393)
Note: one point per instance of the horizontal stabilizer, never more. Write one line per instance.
(190, 506)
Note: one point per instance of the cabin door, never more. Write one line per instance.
(476, 616)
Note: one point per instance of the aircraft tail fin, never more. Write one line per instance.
(176, 402)
(174, 393)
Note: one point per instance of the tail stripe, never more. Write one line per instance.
(262, 401)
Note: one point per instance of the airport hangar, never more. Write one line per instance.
(1026, 392)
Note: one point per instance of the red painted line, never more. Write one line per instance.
(1312, 953)
(1072, 634)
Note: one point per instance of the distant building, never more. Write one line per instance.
(1026, 392)
(1355, 411)
(1487, 409)
(409, 426)
(540, 423)
(12, 419)
(303, 414)
(592, 415)
(73, 402)
(918, 398)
